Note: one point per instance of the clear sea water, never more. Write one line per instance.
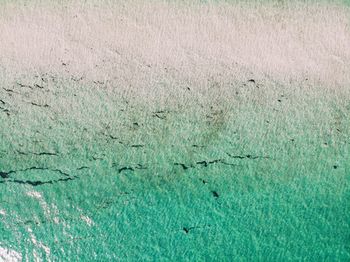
(263, 176)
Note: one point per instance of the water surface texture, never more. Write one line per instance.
(172, 131)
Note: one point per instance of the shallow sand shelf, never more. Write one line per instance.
(172, 131)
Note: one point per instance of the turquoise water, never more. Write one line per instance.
(248, 174)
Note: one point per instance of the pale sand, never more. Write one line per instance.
(133, 43)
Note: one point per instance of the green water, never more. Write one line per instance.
(239, 173)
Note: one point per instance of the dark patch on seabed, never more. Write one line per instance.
(7, 176)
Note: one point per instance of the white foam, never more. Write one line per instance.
(34, 194)
(40, 245)
(87, 220)
(9, 255)
(49, 212)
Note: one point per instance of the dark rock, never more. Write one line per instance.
(215, 194)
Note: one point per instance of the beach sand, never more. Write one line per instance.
(133, 130)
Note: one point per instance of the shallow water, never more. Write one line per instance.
(262, 174)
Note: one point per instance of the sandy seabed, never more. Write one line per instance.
(162, 130)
